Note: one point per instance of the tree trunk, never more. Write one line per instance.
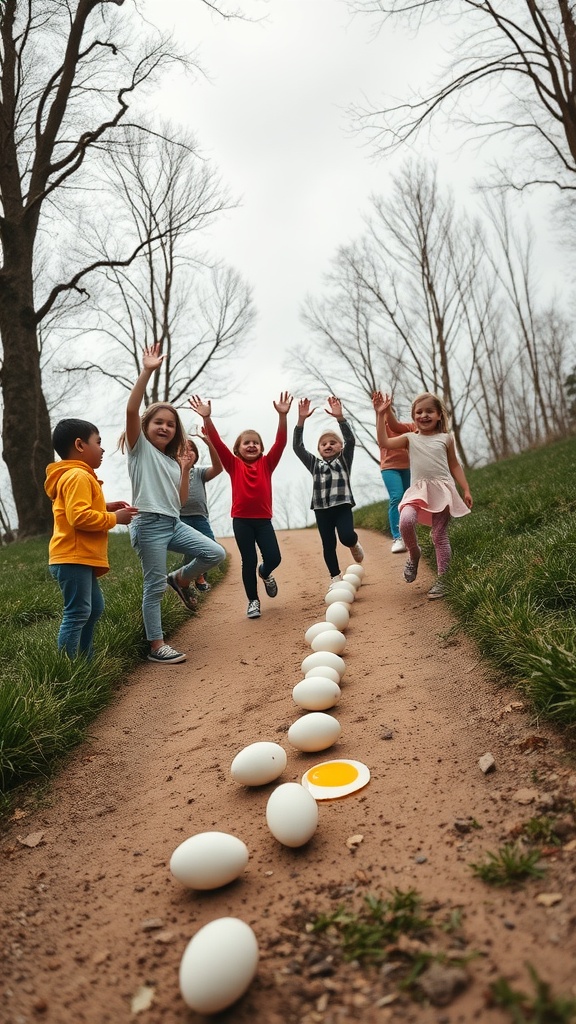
(26, 435)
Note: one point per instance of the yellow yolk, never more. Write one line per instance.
(333, 773)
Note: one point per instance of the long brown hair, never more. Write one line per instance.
(177, 445)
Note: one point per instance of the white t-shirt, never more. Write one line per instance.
(155, 479)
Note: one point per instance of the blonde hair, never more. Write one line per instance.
(443, 425)
(238, 441)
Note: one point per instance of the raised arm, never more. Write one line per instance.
(458, 473)
(204, 409)
(381, 404)
(151, 361)
(216, 466)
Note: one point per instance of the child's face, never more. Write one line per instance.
(161, 429)
(426, 416)
(91, 451)
(329, 447)
(191, 453)
(250, 448)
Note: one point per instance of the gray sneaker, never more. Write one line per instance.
(270, 585)
(436, 590)
(186, 592)
(253, 610)
(411, 570)
(166, 655)
(357, 552)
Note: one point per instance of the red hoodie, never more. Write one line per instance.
(251, 481)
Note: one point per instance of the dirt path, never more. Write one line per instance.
(91, 914)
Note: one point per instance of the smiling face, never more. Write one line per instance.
(427, 416)
(160, 429)
(249, 446)
(329, 446)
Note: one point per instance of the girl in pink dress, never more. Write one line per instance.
(432, 497)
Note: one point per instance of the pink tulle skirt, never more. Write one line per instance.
(429, 496)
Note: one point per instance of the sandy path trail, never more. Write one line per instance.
(91, 913)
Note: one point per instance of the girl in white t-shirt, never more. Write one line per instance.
(432, 497)
(159, 469)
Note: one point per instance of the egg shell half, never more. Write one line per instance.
(315, 731)
(209, 860)
(316, 694)
(324, 658)
(333, 641)
(359, 570)
(292, 814)
(218, 964)
(318, 627)
(338, 614)
(258, 763)
(339, 594)
(325, 671)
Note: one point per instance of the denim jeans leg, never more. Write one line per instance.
(83, 606)
(395, 481)
(200, 552)
(150, 534)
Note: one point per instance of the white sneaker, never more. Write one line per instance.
(253, 610)
(398, 546)
(335, 580)
(357, 552)
(166, 655)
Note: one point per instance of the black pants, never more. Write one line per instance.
(334, 522)
(248, 534)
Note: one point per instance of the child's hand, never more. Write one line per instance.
(124, 515)
(283, 404)
(113, 506)
(381, 402)
(468, 499)
(151, 358)
(187, 459)
(203, 409)
(335, 407)
(304, 409)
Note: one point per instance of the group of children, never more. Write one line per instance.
(169, 511)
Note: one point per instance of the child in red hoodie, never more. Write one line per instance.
(250, 473)
(78, 551)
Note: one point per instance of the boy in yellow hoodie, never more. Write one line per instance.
(78, 551)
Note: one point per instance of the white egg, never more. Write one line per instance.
(353, 579)
(316, 694)
(218, 964)
(292, 814)
(333, 641)
(339, 594)
(258, 763)
(325, 671)
(318, 627)
(209, 860)
(338, 614)
(344, 585)
(324, 658)
(315, 731)
(358, 569)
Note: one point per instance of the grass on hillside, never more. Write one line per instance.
(512, 580)
(46, 700)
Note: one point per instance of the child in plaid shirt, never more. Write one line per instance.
(332, 498)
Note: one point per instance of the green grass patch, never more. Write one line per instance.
(46, 700)
(512, 580)
(541, 1008)
(365, 934)
(508, 866)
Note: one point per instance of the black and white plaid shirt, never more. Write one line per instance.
(330, 480)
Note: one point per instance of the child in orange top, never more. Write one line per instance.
(78, 551)
(395, 469)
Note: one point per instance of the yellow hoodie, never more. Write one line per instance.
(81, 522)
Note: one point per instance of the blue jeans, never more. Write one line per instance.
(199, 523)
(83, 606)
(396, 481)
(152, 536)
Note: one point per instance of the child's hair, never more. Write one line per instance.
(192, 444)
(443, 425)
(178, 442)
(238, 441)
(329, 433)
(66, 432)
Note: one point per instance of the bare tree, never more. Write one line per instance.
(163, 194)
(68, 74)
(511, 74)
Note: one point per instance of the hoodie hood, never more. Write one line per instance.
(56, 470)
